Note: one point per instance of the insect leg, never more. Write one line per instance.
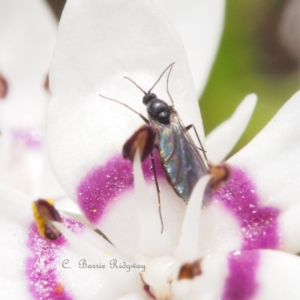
(195, 130)
(158, 193)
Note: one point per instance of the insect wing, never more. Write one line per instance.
(179, 155)
(201, 160)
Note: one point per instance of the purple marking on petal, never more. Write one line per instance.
(32, 139)
(41, 266)
(104, 183)
(241, 283)
(259, 223)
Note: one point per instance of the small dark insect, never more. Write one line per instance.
(180, 158)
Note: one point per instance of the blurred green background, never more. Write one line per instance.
(251, 59)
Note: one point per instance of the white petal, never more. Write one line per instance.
(66, 204)
(277, 276)
(187, 249)
(84, 130)
(119, 221)
(219, 231)
(28, 34)
(27, 38)
(199, 24)
(271, 160)
(13, 289)
(150, 226)
(103, 280)
(30, 262)
(257, 275)
(208, 285)
(136, 296)
(14, 224)
(221, 141)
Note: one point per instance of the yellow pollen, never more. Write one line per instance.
(50, 201)
(39, 220)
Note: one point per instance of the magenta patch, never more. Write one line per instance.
(32, 139)
(241, 283)
(259, 223)
(104, 183)
(41, 266)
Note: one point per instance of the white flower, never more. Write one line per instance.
(27, 39)
(98, 44)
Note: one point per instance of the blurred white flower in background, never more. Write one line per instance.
(28, 32)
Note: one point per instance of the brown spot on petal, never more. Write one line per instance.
(220, 174)
(44, 212)
(47, 210)
(143, 139)
(46, 83)
(59, 289)
(146, 287)
(3, 87)
(190, 270)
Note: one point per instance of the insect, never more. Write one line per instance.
(183, 162)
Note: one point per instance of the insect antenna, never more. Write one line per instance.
(168, 84)
(144, 118)
(159, 78)
(135, 84)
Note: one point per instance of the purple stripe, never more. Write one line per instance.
(104, 183)
(41, 266)
(241, 283)
(259, 223)
(32, 138)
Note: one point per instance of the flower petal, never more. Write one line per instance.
(13, 223)
(187, 249)
(136, 296)
(199, 24)
(271, 161)
(219, 231)
(46, 269)
(120, 214)
(222, 139)
(110, 281)
(25, 54)
(115, 37)
(27, 38)
(258, 274)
